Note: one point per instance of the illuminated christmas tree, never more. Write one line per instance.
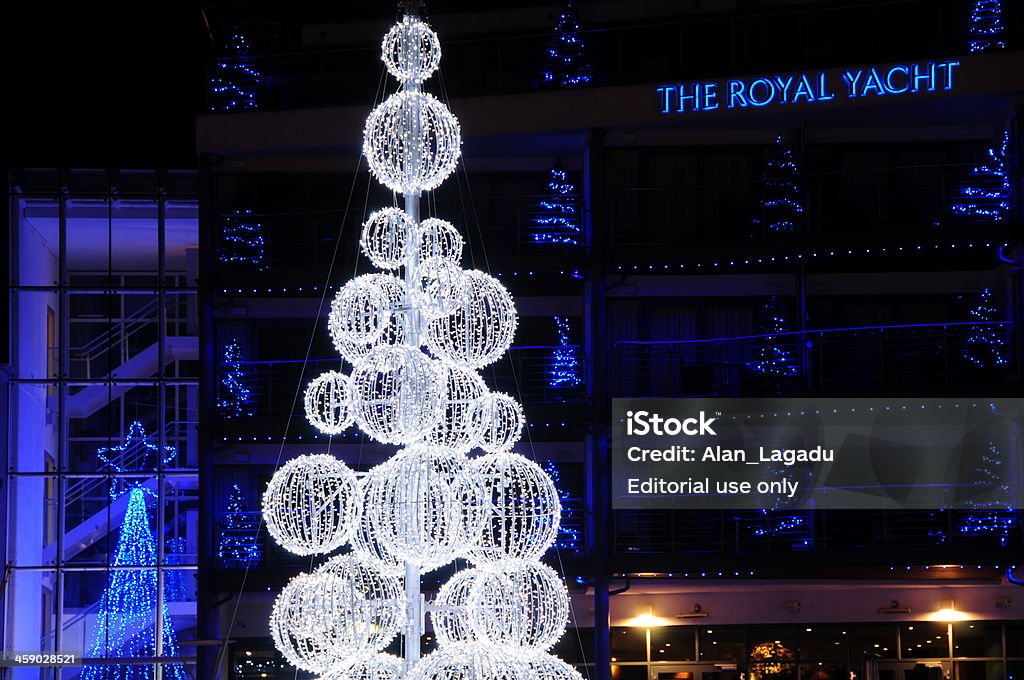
(235, 82)
(565, 364)
(985, 26)
(239, 536)
(999, 520)
(986, 196)
(235, 395)
(125, 625)
(569, 536)
(567, 65)
(558, 219)
(175, 580)
(986, 341)
(242, 240)
(773, 358)
(782, 209)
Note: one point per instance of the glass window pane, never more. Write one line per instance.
(134, 236)
(924, 640)
(32, 594)
(628, 644)
(36, 316)
(878, 639)
(824, 671)
(637, 672)
(824, 643)
(673, 643)
(88, 240)
(1015, 639)
(979, 670)
(723, 644)
(36, 237)
(977, 639)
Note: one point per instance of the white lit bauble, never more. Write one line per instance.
(384, 238)
(462, 387)
(479, 332)
(326, 403)
(524, 508)
(449, 613)
(370, 666)
(288, 628)
(469, 661)
(312, 504)
(366, 546)
(411, 142)
(394, 324)
(548, 667)
(439, 238)
(441, 287)
(413, 503)
(496, 422)
(411, 50)
(518, 603)
(396, 394)
(359, 608)
(359, 312)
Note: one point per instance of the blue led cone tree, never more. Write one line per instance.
(985, 26)
(565, 364)
(998, 520)
(570, 537)
(242, 240)
(126, 623)
(781, 210)
(566, 57)
(986, 339)
(239, 544)
(558, 220)
(235, 82)
(773, 355)
(985, 197)
(235, 395)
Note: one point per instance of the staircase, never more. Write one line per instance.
(146, 363)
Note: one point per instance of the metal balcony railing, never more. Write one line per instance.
(840, 361)
(277, 386)
(714, 532)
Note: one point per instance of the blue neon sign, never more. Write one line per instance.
(812, 87)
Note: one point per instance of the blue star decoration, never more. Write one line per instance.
(136, 455)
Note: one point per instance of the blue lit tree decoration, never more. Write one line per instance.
(567, 65)
(771, 357)
(986, 341)
(242, 240)
(569, 535)
(174, 579)
(985, 26)
(135, 455)
(125, 625)
(782, 207)
(986, 196)
(235, 395)
(999, 520)
(558, 220)
(239, 536)
(565, 364)
(235, 82)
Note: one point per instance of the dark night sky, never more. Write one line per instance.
(94, 84)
